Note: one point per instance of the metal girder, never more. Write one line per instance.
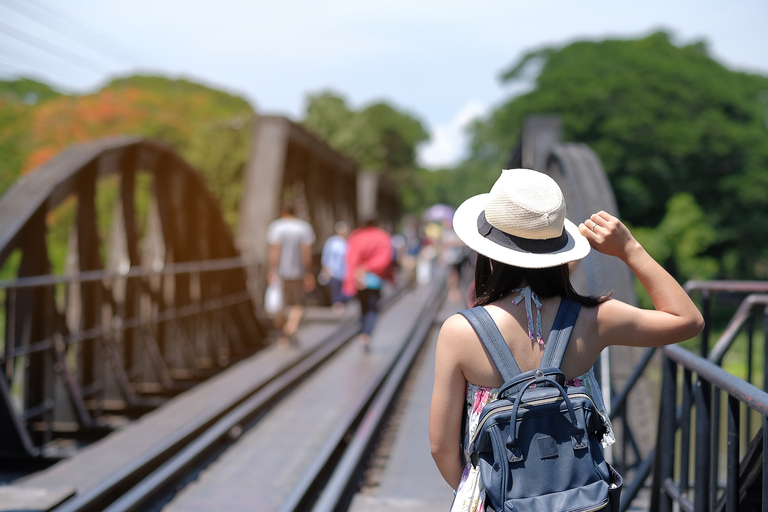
(290, 163)
(126, 323)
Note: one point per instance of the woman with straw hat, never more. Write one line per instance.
(524, 245)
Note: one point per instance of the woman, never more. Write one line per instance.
(369, 264)
(524, 245)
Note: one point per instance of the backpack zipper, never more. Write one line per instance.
(601, 506)
(535, 402)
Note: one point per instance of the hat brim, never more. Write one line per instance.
(465, 226)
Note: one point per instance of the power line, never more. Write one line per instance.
(49, 48)
(10, 75)
(55, 19)
(24, 64)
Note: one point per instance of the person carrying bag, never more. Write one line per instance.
(518, 424)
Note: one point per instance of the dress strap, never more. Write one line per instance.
(529, 296)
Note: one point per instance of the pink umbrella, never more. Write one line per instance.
(438, 213)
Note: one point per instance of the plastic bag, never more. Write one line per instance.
(273, 297)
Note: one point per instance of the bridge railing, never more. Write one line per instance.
(702, 385)
(152, 333)
(749, 310)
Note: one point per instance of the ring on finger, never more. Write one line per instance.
(594, 225)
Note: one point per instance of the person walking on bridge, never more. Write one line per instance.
(525, 246)
(369, 264)
(334, 263)
(290, 242)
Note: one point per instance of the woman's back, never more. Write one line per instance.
(512, 321)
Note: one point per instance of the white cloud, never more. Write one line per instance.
(449, 142)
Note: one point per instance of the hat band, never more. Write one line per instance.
(515, 242)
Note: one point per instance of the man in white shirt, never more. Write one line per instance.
(290, 242)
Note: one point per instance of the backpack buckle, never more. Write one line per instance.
(579, 437)
(514, 450)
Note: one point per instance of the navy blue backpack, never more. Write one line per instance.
(538, 445)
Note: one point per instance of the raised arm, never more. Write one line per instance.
(675, 317)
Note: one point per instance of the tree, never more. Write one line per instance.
(209, 128)
(664, 120)
(17, 99)
(379, 137)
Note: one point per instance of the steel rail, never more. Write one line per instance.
(338, 461)
(149, 476)
(342, 483)
(143, 478)
(221, 433)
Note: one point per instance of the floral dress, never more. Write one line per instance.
(470, 495)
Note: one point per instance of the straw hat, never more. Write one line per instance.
(521, 222)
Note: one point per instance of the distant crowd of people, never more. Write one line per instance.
(356, 264)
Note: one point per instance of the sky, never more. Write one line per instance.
(438, 61)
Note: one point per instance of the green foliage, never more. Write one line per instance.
(380, 138)
(16, 100)
(448, 186)
(680, 242)
(221, 151)
(208, 127)
(14, 130)
(27, 91)
(664, 120)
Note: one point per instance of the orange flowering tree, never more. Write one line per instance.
(208, 127)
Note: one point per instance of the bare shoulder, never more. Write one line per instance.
(455, 328)
(452, 349)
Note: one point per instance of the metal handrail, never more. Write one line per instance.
(709, 378)
(752, 396)
(167, 315)
(106, 276)
(740, 318)
(726, 286)
(735, 325)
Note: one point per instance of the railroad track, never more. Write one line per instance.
(328, 481)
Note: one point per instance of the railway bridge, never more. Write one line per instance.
(137, 372)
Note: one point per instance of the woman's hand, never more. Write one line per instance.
(676, 317)
(608, 235)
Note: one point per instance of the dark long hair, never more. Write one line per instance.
(494, 280)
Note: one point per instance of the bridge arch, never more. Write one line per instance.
(149, 294)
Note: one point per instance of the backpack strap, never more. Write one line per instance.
(491, 337)
(562, 327)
